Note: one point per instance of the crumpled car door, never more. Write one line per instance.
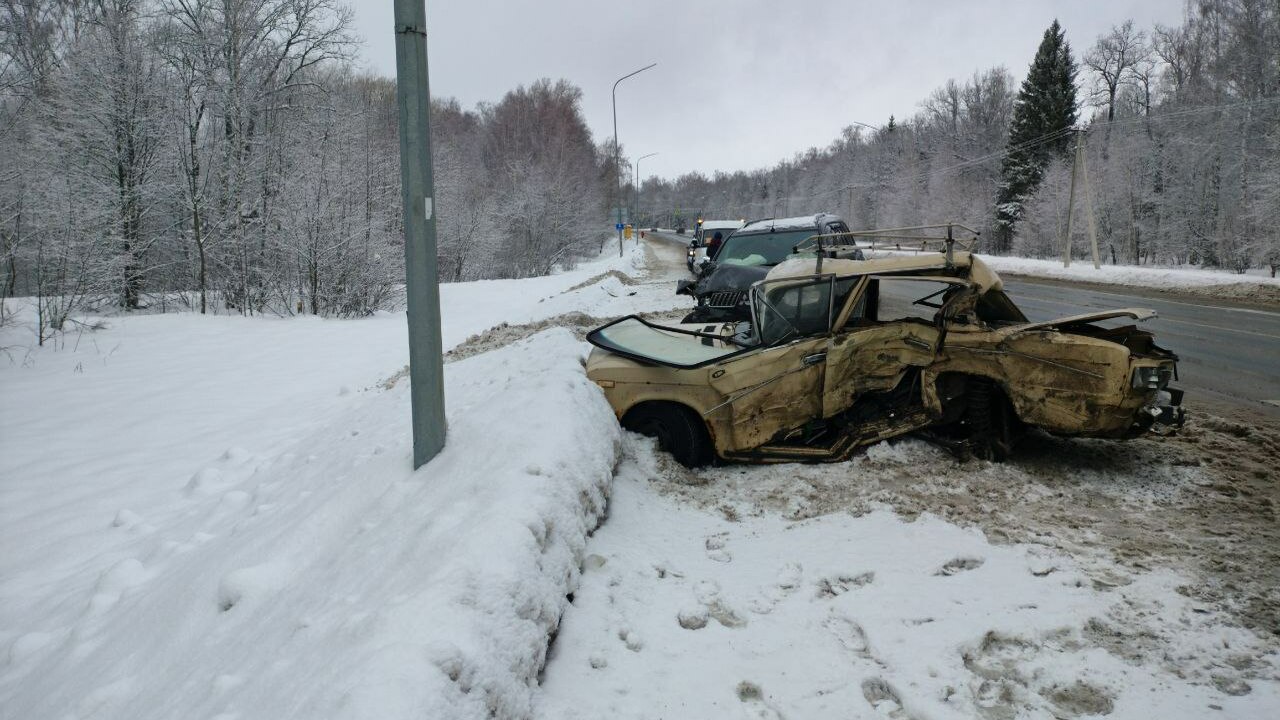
(772, 391)
(871, 359)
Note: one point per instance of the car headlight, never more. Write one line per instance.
(1151, 378)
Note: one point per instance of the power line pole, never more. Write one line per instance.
(1088, 204)
(1079, 167)
(422, 291)
(1071, 205)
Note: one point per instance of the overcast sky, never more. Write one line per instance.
(739, 84)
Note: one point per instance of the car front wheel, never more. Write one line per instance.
(678, 430)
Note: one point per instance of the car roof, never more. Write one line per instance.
(979, 272)
(800, 222)
(721, 224)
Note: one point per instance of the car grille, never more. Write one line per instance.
(725, 298)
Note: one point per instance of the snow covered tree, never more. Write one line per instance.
(1114, 61)
(1043, 112)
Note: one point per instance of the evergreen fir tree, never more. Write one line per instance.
(1045, 104)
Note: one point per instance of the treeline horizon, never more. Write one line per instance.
(1181, 127)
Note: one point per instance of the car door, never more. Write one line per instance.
(768, 393)
(888, 331)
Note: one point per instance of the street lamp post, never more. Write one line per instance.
(422, 289)
(636, 184)
(617, 161)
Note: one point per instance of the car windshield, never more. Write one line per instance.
(761, 249)
(634, 338)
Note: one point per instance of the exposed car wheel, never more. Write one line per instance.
(993, 425)
(678, 430)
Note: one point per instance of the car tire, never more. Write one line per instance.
(677, 429)
(993, 425)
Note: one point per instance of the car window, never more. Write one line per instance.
(788, 309)
(844, 286)
(909, 299)
(762, 249)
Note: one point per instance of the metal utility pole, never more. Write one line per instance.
(636, 186)
(422, 291)
(617, 160)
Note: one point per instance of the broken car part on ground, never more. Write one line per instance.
(839, 353)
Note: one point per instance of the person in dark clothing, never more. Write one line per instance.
(714, 244)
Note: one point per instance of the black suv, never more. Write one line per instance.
(745, 257)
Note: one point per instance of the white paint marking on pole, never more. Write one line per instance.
(426, 208)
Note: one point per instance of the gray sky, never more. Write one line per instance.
(739, 84)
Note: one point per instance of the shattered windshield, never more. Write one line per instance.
(634, 338)
(762, 249)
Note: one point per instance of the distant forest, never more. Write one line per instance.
(226, 156)
(1182, 147)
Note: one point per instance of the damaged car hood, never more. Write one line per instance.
(1138, 314)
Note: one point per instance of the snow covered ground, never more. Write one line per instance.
(752, 592)
(1196, 281)
(215, 517)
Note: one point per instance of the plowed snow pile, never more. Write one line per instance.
(322, 578)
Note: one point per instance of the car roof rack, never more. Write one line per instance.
(917, 238)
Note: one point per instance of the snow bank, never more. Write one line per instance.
(1160, 278)
(315, 576)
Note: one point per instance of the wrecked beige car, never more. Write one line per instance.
(839, 354)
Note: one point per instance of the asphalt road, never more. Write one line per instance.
(1226, 354)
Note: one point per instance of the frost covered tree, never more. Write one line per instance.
(1115, 60)
(1043, 112)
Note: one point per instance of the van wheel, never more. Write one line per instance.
(993, 425)
(678, 430)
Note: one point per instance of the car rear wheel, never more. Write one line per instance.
(993, 425)
(677, 429)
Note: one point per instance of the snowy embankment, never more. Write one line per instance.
(217, 516)
(1192, 281)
